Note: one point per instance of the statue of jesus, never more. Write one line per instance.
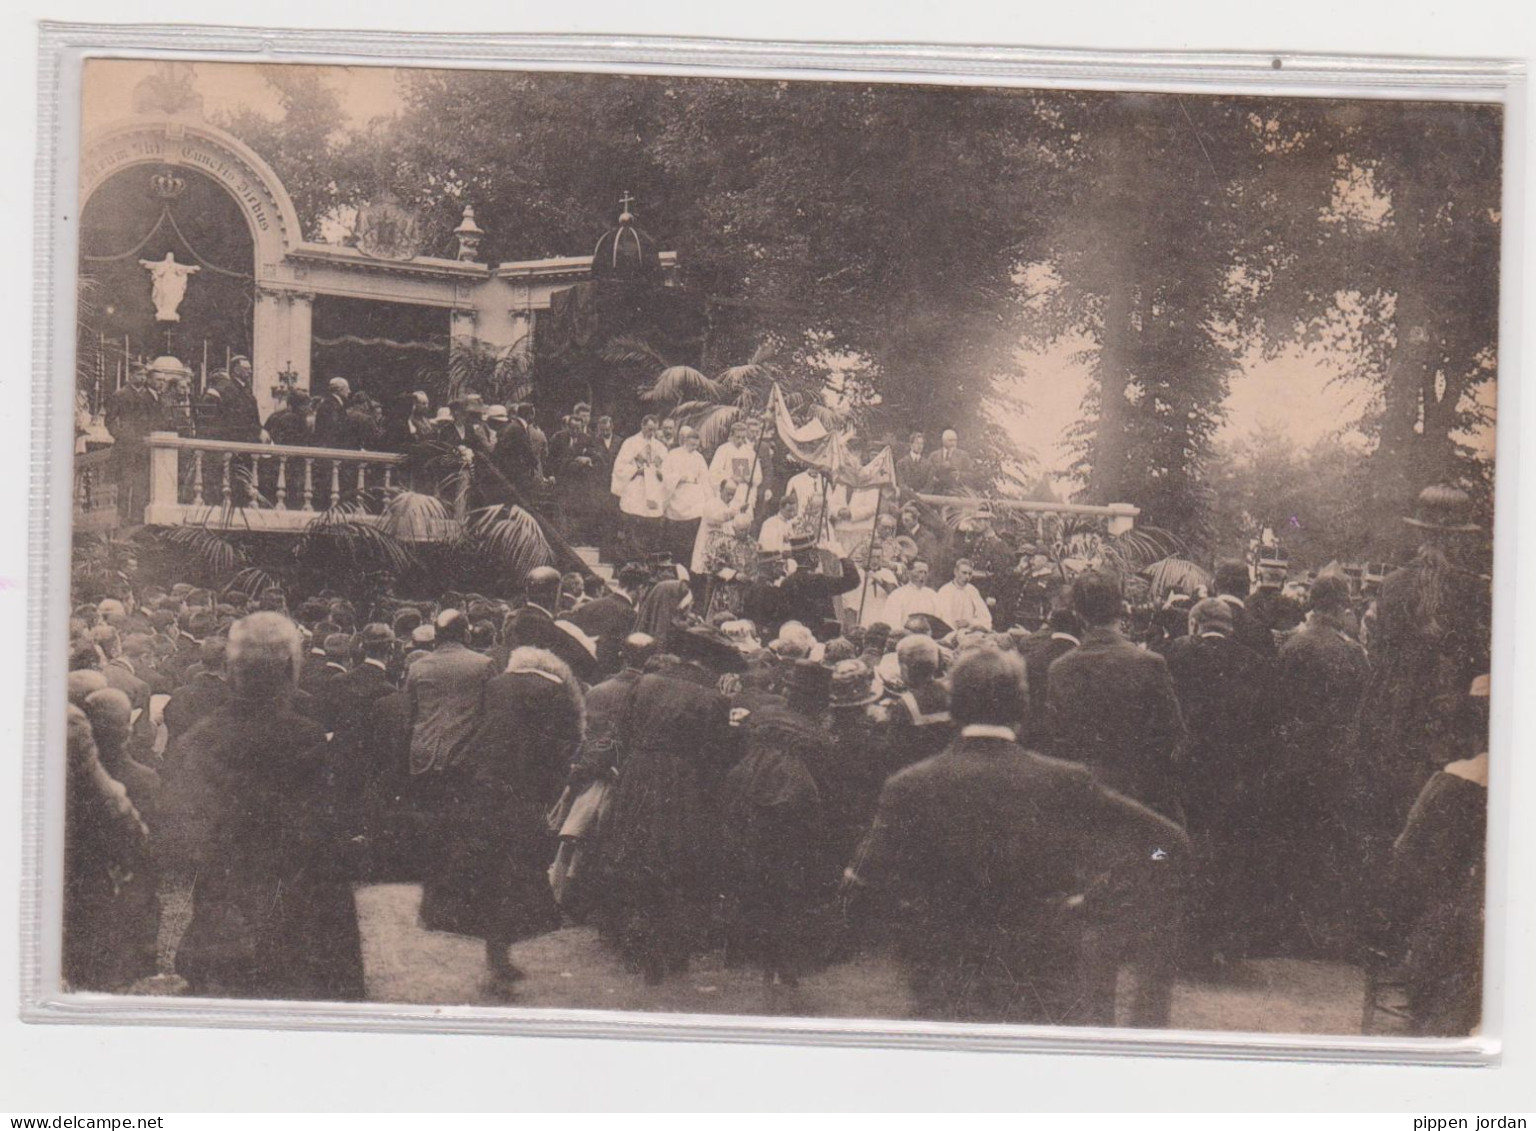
(169, 282)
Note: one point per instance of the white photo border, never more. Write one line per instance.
(63, 50)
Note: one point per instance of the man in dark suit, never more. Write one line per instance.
(804, 595)
(230, 405)
(951, 467)
(611, 617)
(1063, 632)
(1112, 705)
(201, 696)
(363, 429)
(605, 450)
(517, 461)
(133, 412)
(338, 650)
(294, 423)
(534, 626)
(346, 704)
(911, 470)
(1224, 692)
(991, 863)
(1231, 582)
(331, 415)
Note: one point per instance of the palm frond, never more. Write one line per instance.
(214, 553)
(679, 383)
(1175, 574)
(510, 537)
(628, 349)
(344, 539)
(251, 581)
(740, 378)
(713, 422)
(1136, 549)
(411, 516)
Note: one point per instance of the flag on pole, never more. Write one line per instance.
(878, 472)
(827, 452)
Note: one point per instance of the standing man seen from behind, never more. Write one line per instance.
(992, 864)
(446, 687)
(611, 617)
(1232, 588)
(534, 625)
(1113, 706)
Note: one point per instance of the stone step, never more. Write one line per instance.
(589, 554)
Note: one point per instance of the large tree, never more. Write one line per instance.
(1385, 244)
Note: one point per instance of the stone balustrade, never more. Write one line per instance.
(275, 487)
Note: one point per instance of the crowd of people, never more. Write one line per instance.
(778, 763)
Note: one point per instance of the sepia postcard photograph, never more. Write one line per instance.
(771, 548)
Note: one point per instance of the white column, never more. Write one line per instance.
(269, 345)
(280, 340)
(301, 312)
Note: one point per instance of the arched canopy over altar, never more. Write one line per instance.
(166, 181)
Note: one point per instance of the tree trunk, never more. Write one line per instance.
(1117, 350)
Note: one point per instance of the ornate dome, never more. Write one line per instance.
(626, 252)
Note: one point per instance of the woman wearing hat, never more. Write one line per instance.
(851, 780)
(775, 873)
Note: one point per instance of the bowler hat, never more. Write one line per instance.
(808, 685)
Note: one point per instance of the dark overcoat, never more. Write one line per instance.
(661, 837)
(1113, 708)
(989, 863)
(491, 882)
(1432, 637)
(346, 705)
(774, 872)
(608, 619)
(272, 910)
(1318, 799)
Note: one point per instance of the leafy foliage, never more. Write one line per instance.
(897, 243)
